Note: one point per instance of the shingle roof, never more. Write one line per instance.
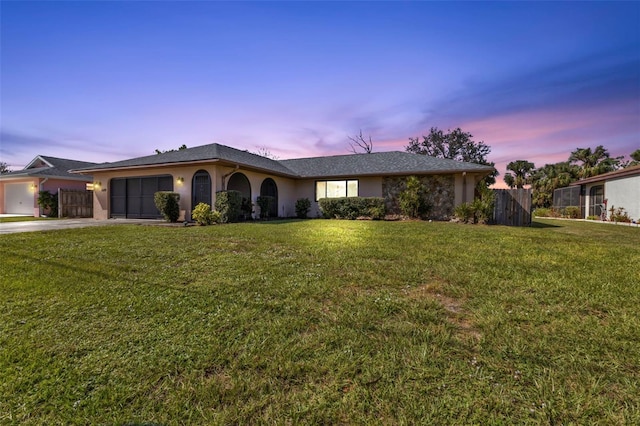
(199, 153)
(49, 167)
(628, 171)
(380, 163)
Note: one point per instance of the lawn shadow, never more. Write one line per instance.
(541, 225)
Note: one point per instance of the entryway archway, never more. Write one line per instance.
(270, 189)
(201, 188)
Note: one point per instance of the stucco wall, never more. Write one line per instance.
(51, 185)
(219, 178)
(368, 186)
(624, 192)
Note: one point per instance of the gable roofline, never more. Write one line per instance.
(54, 168)
(388, 163)
(617, 174)
(37, 157)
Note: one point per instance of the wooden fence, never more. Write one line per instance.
(75, 203)
(512, 207)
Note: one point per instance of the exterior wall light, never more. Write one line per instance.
(180, 179)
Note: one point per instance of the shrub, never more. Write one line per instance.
(483, 207)
(546, 212)
(246, 208)
(464, 212)
(352, 207)
(203, 215)
(619, 215)
(303, 205)
(265, 202)
(572, 212)
(168, 204)
(228, 204)
(413, 202)
(49, 203)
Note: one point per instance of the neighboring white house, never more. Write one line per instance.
(620, 189)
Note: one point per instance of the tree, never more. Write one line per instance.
(360, 143)
(263, 151)
(4, 168)
(521, 176)
(455, 145)
(548, 178)
(181, 148)
(413, 200)
(635, 158)
(592, 163)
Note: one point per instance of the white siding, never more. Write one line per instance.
(624, 192)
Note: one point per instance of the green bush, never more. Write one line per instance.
(246, 209)
(203, 215)
(464, 212)
(593, 217)
(413, 200)
(49, 203)
(265, 202)
(483, 207)
(229, 205)
(352, 207)
(168, 203)
(619, 215)
(572, 212)
(546, 212)
(303, 206)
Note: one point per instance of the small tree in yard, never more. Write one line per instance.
(413, 202)
(48, 202)
(303, 205)
(168, 204)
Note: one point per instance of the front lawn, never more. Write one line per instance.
(321, 322)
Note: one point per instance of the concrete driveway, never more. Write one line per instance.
(51, 225)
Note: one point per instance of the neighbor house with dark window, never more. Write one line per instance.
(620, 188)
(125, 189)
(19, 189)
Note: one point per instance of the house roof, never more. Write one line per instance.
(211, 152)
(50, 167)
(380, 163)
(626, 172)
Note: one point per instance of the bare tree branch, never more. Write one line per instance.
(360, 143)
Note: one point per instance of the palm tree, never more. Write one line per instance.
(521, 176)
(594, 162)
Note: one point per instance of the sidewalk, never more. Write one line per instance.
(52, 225)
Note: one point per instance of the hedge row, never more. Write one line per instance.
(352, 207)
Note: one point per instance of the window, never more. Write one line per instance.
(336, 188)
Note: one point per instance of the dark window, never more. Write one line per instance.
(201, 188)
(596, 200)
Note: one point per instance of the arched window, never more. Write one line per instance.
(270, 189)
(239, 182)
(201, 188)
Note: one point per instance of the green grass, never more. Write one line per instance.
(24, 218)
(307, 322)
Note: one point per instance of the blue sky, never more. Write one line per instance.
(104, 81)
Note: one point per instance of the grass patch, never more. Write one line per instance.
(24, 219)
(321, 322)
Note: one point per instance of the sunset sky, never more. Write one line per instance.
(105, 81)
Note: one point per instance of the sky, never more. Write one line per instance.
(106, 81)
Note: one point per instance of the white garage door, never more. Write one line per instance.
(18, 198)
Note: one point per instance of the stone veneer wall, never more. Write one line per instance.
(440, 194)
